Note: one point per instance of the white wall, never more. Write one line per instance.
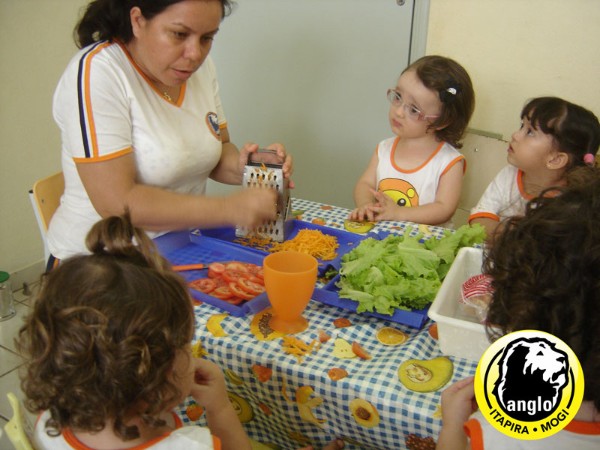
(514, 49)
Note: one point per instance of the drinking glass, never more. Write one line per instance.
(290, 279)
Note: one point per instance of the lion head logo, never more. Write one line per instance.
(532, 376)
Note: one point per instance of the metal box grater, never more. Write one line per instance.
(269, 175)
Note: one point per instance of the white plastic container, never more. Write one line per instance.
(458, 336)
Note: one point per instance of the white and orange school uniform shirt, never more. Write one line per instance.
(105, 108)
(182, 438)
(414, 186)
(504, 197)
(575, 436)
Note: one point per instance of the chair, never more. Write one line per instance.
(18, 429)
(485, 157)
(45, 198)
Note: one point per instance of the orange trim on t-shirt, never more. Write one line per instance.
(88, 100)
(455, 161)
(483, 215)
(182, 88)
(216, 443)
(521, 187)
(96, 158)
(473, 429)
(579, 427)
(74, 442)
(416, 169)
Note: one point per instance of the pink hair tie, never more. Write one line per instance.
(588, 158)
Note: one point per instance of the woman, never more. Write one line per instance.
(143, 127)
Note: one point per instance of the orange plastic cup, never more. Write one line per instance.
(290, 279)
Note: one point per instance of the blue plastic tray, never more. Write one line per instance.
(346, 240)
(183, 248)
(329, 296)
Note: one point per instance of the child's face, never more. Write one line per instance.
(417, 97)
(530, 148)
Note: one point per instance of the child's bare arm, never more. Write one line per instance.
(363, 197)
(458, 403)
(209, 391)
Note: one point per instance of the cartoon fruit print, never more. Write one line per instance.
(213, 324)
(242, 407)
(337, 373)
(233, 377)
(262, 373)
(194, 411)
(306, 404)
(342, 349)
(425, 375)
(391, 336)
(354, 226)
(364, 413)
(261, 328)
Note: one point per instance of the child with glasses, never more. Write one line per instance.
(417, 175)
(555, 137)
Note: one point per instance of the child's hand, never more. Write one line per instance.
(363, 213)
(458, 402)
(385, 208)
(209, 388)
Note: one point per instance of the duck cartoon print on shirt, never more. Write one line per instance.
(401, 191)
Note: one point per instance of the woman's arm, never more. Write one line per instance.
(112, 187)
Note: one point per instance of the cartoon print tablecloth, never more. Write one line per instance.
(287, 403)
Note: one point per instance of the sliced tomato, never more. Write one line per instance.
(237, 291)
(251, 287)
(215, 270)
(232, 275)
(205, 285)
(260, 273)
(222, 292)
(236, 265)
(234, 300)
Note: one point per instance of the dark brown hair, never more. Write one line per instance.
(453, 85)
(103, 334)
(576, 131)
(545, 267)
(109, 19)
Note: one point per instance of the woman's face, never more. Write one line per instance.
(171, 46)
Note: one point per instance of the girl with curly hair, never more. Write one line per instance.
(545, 268)
(108, 353)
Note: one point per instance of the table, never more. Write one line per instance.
(268, 407)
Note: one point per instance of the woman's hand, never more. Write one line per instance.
(250, 207)
(279, 156)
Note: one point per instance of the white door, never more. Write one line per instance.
(313, 75)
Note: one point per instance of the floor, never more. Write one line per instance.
(10, 361)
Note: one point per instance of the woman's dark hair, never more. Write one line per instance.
(453, 84)
(103, 334)
(575, 130)
(545, 267)
(106, 20)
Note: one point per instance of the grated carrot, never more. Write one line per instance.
(312, 242)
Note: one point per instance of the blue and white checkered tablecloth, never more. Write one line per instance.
(271, 407)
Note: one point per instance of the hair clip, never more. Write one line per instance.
(451, 90)
(589, 159)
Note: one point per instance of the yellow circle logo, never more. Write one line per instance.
(529, 384)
